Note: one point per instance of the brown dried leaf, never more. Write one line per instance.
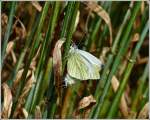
(25, 113)
(142, 7)
(135, 37)
(9, 47)
(27, 87)
(37, 113)
(18, 112)
(102, 13)
(65, 103)
(123, 104)
(34, 60)
(13, 57)
(21, 113)
(57, 65)
(37, 5)
(4, 21)
(7, 105)
(18, 78)
(86, 101)
(20, 31)
(144, 112)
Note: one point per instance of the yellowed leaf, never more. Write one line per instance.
(86, 101)
(37, 113)
(7, 105)
(144, 112)
(102, 13)
(123, 104)
(37, 5)
(57, 65)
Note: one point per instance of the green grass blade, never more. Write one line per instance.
(121, 88)
(8, 29)
(123, 48)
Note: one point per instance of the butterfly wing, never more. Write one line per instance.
(92, 59)
(69, 80)
(81, 68)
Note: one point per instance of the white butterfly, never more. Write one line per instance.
(82, 65)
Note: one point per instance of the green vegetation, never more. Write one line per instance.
(32, 80)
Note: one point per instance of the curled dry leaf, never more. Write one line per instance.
(20, 31)
(135, 37)
(9, 47)
(142, 60)
(7, 105)
(37, 113)
(27, 87)
(144, 112)
(34, 60)
(57, 65)
(13, 57)
(142, 7)
(18, 78)
(102, 13)
(4, 21)
(21, 100)
(123, 104)
(86, 102)
(37, 5)
(25, 113)
(21, 114)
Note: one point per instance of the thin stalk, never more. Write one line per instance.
(8, 31)
(130, 65)
(49, 36)
(104, 32)
(66, 20)
(110, 57)
(140, 89)
(45, 46)
(21, 57)
(145, 97)
(34, 45)
(70, 33)
(123, 48)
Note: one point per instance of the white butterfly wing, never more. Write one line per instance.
(69, 80)
(92, 59)
(81, 68)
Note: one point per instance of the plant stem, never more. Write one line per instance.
(8, 31)
(123, 48)
(130, 65)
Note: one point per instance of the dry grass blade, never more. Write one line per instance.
(136, 37)
(7, 105)
(123, 104)
(57, 65)
(18, 78)
(37, 5)
(9, 47)
(37, 113)
(20, 31)
(102, 13)
(86, 102)
(25, 113)
(144, 112)
(9, 50)
(4, 21)
(34, 60)
(21, 99)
